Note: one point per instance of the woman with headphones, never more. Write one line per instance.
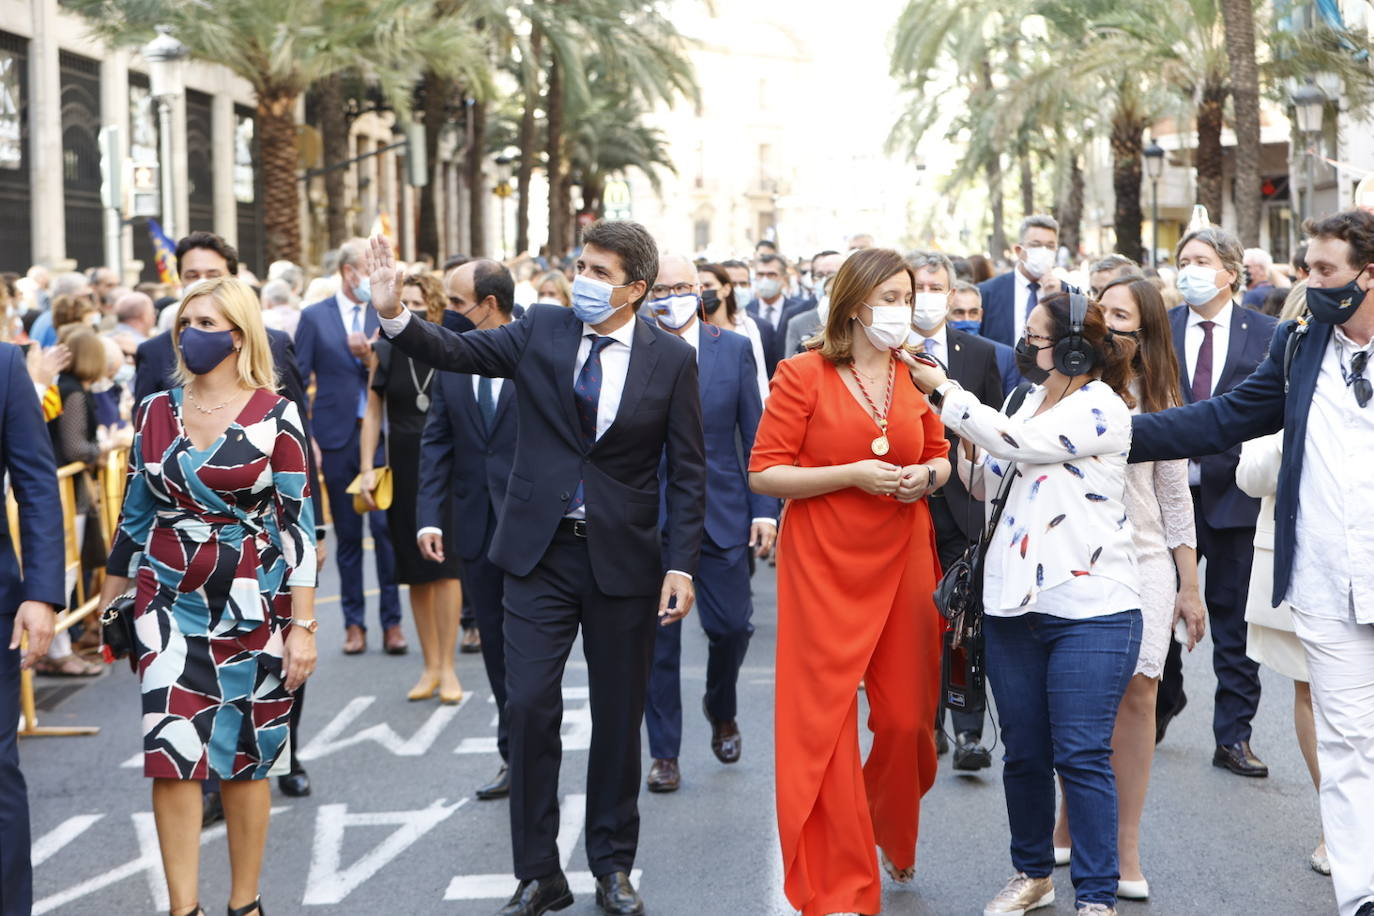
(1061, 598)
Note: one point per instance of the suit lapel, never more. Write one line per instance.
(1179, 319)
(643, 357)
(1241, 323)
(1302, 378)
(566, 341)
(954, 353)
(503, 401)
(707, 349)
(469, 407)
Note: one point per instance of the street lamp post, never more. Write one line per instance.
(1309, 105)
(166, 59)
(1154, 167)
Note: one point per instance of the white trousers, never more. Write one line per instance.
(1340, 657)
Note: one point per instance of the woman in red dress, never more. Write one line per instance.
(855, 448)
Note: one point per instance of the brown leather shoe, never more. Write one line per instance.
(394, 641)
(355, 640)
(726, 743)
(472, 641)
(1239, 759)
(664, 776)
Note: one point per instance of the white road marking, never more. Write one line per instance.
(46, 846)
(577, 727)
(329, 740)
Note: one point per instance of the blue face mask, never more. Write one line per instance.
(204, 350)
(363, 291)
(591, 300)
(1337, 305)
(124, 375)
(968, 327)
(456, 323)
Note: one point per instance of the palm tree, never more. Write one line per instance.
(609, 138)
(282, 48)
(1239, 16)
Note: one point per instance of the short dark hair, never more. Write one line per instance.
(491, 278)
(455, 260)
(769, 242)
(212, 242)
(734, 262)
(1354, 227)
(773, 258)
(630, 242)
(1300, 258)
(822, 254)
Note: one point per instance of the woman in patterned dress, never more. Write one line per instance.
(218, 537)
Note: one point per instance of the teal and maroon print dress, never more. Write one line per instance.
(215, 539)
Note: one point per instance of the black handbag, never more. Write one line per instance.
(117, 631)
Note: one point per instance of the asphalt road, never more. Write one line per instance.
(393, 827)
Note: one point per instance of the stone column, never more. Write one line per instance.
(114, 110)
(45, 138)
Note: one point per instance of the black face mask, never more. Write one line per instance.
(457, 323)
(1026, 354)
(710, 301)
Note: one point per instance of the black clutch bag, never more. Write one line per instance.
(117, 630)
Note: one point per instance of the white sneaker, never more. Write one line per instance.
(1096, 909)
(1021, 895)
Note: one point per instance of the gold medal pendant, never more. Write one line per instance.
(880, 446)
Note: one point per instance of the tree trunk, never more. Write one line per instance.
(1127, 133)
(1070, 210)
(559, 188)
(1027, 179)
(1210, 113)
(438, 92)
(1239, 16)
(528, 152)
(276, 124)
(477, 186)
(593, 194)
(334, 143)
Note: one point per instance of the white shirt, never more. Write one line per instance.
(772, 313)
(746, 325)
(495, 387)
(1192, 344)
(1022, 291)
(937, 345)
(346, 307)
(1333, 561)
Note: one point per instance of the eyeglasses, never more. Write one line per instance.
(1030, 337)
(1355, 378)
(662, 290)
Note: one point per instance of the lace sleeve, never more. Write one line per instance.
(1175, 503)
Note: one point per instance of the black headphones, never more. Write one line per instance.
(1073, 355)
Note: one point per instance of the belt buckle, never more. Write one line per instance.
(579, 527)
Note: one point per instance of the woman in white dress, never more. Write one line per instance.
(722, 310)
(1160, 508)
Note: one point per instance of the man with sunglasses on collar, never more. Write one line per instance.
(1316, 387)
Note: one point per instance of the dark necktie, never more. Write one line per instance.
(1202, 371)
(1033, 299)
(357, 329)
(587, 394)
(486, 404)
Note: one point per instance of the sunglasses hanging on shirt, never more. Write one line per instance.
(1355, 377)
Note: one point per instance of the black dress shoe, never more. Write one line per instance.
(664, 776)
(295, 784)
(941, 743)
(211, 809)
(498, 787)
(1239, 759)
(617, 896)
(1164, 716)
(1366, 910)
(539, 895)
(969, 754)
(725, 737)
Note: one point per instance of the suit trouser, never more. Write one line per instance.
(950, 544)
(340, 466)
(543, 612)
(725, 608)
(484, 585)
(1340, 658)
(16, 872)
(1229, 553)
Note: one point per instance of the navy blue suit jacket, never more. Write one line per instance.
(1260, 405)
(999, 307)
(26, 453)
(730, 409)
(659, 409)
(322, 350)
(463, 467)
(1222, 503)
(772, 350)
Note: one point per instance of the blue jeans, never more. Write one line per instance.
(1058, 684)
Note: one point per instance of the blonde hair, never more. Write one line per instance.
(1295, 304)
(236, 302)
(560, 282)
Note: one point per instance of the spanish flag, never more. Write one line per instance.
(166, 253)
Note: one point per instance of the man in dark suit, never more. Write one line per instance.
(1008, 298)
(1218, 345)
(1314, 384)
(601, 397)
(736, 521)
(966, 314)
(204, 256)
(806, 324)
(332, 343)
(28, 603)
(466, 456)
(771, 306)
(958, 518)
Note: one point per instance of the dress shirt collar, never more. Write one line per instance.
(693, 334)
(940, 339)
(624, 334)
(1023, 282)
(1222, 319)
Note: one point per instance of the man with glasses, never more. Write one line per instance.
(1314, 385)
(1010, 297)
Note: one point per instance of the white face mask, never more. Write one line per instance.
(1038, 261)
(767, 287)
(1198, 284)
(930, 310)
(675, 311)
(891, 324)
(823, 308)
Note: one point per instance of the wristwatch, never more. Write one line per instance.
(930, 484)
(310, 626)
(937, 397)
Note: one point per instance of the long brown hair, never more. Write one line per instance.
(1112, 354)
(1155, 363)
(861, 273)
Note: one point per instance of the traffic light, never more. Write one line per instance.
(144, 197)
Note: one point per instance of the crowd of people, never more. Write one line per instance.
(597, 447)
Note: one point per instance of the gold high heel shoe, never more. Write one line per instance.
(425, 689)
(451, 698)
